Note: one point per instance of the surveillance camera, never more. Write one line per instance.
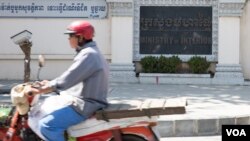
(21, 37)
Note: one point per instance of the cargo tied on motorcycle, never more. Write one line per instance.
(137, 108)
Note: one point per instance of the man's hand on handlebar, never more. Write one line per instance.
(38, 88)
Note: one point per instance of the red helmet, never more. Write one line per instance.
(83, 28)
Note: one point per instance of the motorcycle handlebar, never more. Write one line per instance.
(36, 85)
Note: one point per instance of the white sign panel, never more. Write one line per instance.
(54, 8)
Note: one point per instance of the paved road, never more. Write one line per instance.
(4, 98)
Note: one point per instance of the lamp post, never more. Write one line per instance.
(23, 40)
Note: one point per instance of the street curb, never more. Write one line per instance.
(198, 127)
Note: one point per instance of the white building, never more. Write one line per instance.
(117, 36)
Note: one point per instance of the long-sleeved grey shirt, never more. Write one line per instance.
(87, 78)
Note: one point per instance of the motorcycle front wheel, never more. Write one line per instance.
(130, 138)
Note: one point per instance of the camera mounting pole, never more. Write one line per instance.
(26, 48)
(23, 40)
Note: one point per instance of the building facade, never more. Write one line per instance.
(117, 33)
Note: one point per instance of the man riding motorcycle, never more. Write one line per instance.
(86, 81)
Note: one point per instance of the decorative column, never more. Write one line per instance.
(122, 69)
(228, 69)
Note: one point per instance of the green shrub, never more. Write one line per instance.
(162, 64)
(149, 64)
(168, 65)
(198, 64)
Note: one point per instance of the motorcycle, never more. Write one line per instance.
(21, 123)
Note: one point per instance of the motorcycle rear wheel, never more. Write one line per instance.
(130, 138)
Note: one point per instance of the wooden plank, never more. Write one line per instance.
(157, 103)
(150, 107)
(175, 102)
(139, 113)
(130, 105)
(123, 105)
(145, 104)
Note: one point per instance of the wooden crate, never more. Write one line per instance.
(136, 108)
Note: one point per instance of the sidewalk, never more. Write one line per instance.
(208, 106)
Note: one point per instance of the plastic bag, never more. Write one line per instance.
(49, 105)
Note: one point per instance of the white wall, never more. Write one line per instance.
(48, 39)
(245, 41)
(229, 40)
(122, 39)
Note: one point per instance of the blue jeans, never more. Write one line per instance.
(53, 125)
